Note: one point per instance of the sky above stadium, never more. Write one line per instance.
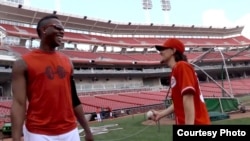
(217, 13)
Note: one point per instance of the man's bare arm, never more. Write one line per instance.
(18, 107)
(78, 109)
(189, 110)
(83, 122)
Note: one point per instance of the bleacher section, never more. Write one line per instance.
(4, 113)
(126, 100)
(147, 57)
(28, 32)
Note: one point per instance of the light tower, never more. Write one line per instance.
(14, 1)
(147, 5)
(27, 2)
(57, 5)
(166, 7)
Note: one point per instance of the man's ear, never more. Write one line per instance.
(44, 30)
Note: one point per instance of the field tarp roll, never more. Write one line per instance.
(216, 104)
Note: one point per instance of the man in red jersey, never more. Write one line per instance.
(188, 103)
(44, 78)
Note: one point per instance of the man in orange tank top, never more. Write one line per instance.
(188, 102)
(44, 78)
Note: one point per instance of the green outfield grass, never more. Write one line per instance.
(132, 129)
(241, 121)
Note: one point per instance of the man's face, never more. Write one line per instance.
(166, 54)
(53, 33)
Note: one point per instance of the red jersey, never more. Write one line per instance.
(50, 108)
(184, 78)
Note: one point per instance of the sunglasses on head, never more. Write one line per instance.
(58, 27)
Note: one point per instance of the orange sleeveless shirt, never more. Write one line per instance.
(50, 108)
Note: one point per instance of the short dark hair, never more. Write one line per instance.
(42, 22)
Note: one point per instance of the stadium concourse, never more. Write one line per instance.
(119, 68)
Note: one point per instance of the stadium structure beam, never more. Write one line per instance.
(225, 67)
(159, 29)
(33, 18)
(93, 26)
(202, 56)
(212, 79)
(135, 29)
(228, 59)
(66, 21)
(114, 29)
(2, 35)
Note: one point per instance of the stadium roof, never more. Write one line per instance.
(23, 14)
